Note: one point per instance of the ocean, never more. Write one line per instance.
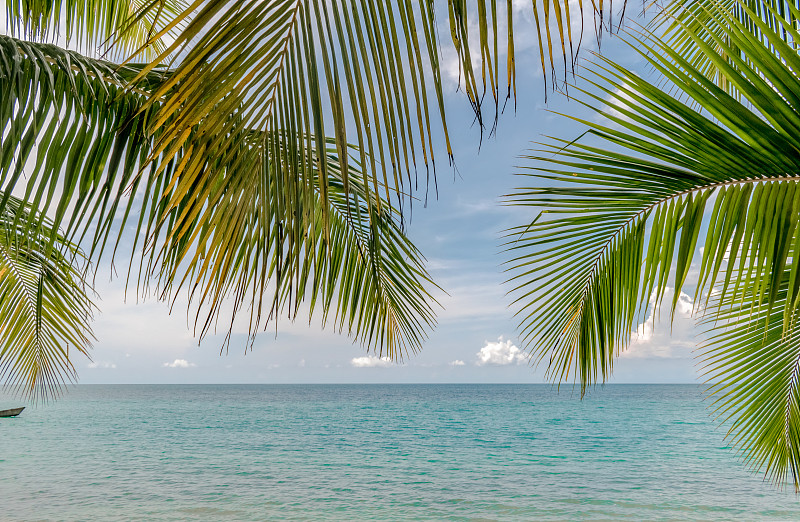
(377, 452)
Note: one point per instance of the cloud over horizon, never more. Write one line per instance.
(371, 361)
(500, 353)
(179, 363)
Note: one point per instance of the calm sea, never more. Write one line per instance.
(383, 452)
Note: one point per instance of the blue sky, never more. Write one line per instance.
(460, 235)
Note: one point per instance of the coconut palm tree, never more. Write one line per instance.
(691, 179)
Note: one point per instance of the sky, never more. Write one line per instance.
(460, 234)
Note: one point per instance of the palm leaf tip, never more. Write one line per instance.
(44, 306)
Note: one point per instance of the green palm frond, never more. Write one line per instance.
(629, 204)
(238, 229)
(247, 236)
(73, 137)
(374, 277)
(707, 21)
(118, 27)
(752, 361)
(44, 306)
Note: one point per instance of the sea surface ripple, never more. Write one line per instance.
(377, 452)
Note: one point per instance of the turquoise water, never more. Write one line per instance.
(388, 452)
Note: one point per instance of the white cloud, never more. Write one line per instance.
(457, 362)
(500, 353)
(617, 100)
(179, 363)
(370, 361)
(656, 338)
(102, 364)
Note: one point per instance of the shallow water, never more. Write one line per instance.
(255, 452)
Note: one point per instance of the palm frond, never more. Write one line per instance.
(72, 135)
(44, 306)
(249, 237)
(116, 28)
(251, 227)
(752, 361)
(627, 206)
(374, 277)
(707, 21)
